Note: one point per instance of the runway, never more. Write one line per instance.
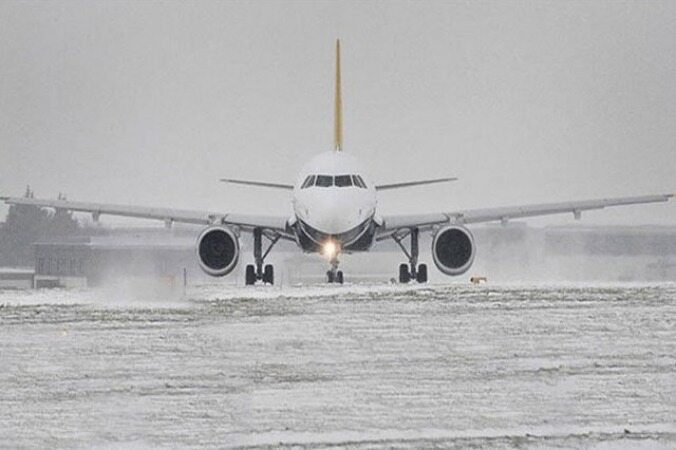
(364, 366)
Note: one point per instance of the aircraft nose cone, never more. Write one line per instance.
(334, 217)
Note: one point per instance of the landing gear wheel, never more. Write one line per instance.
(339, 277)
(421, 276)
(329, 276)
(411, 271)
(404, 274)
(269, 274)
(250, 275)
(258, 272)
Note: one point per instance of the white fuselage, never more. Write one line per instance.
(334, 199)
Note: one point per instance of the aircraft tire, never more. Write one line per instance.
(421, 276)
(250, 275)
(404, 274)
(329, 277)
(339, 277)
(269, 274)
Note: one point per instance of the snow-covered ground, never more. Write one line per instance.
(361, 366)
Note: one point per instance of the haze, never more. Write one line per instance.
(151, 103)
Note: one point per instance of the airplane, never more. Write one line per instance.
(335, 212)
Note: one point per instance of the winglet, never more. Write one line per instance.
(338, 105)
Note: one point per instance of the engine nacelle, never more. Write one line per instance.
(453, 249)
(218, 250)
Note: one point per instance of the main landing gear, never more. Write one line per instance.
(259, 271)
(334, 275)
(411, 271)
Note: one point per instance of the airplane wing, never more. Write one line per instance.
(246, 222)
(288, 187)
(384, 187)
(393, 223)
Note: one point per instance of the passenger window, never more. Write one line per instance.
(343, 180)
(324, 181)
(309, 181)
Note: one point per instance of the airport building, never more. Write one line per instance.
(614, 253)
(578, 253)
(90, 261)
(16, 278)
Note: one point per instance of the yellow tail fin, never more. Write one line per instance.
(338, 112)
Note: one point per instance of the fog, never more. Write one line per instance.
(151, 103)
(570, 342)
(506, 255)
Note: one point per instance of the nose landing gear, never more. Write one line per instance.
(411, 271)
(334, 275)
(260, 272)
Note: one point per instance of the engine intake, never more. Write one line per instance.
(453, 250)
(218, 250)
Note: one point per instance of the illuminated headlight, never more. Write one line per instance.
(330, 249)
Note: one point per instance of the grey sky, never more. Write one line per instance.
(151, 103)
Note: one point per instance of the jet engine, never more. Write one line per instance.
(218, 250)
(453, 249)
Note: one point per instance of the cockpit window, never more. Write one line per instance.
(309, 181)
(358, 181)
(329, 180)
(324, 181)
(343, 180)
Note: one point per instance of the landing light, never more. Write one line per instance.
(330, 249)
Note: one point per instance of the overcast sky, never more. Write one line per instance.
(151, 103)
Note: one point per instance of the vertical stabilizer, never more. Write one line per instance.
(338, 112)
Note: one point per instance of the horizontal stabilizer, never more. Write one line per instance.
(287, 187)
(383, 187)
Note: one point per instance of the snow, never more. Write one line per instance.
(359, 366)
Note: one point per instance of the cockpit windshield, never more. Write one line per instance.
(358, 181)
(343, 180)
(330, 180)
(324, 180)
(309, 181)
